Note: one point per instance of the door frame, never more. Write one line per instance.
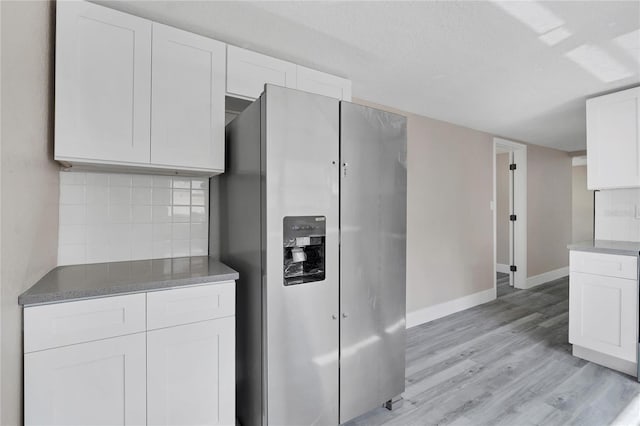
(517, 199)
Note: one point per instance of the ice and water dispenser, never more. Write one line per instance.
(304, 249)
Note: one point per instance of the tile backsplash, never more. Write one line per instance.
(617, 215)
(116, 217)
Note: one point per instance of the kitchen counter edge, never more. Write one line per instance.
(50, 289)
(625, 248)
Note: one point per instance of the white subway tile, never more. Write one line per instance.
(142, 181)
(120, 180)
(199, 183)
(180, 231)
(161, 249)
(120, 213)
(97, 214)
(72, 194)
(161, 232)
(119, 195)
(114, 217)
(71, 254)
(97, 179)
(72, 234)
(141, 214)
(199, 215)
(142, 232)
(180, 248)
(97, 195)
(181, 213)
(198, 197)
(72, 178)
(184, 183)
(199, 231)
(141, 196)
(97, 235)
(161, 197)
(73, 214)
(181, 197)
(142, 250)
(162, 182)
(161, 214)
(199, 247)
(98, 253)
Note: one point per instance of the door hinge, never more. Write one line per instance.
(513, 268)
(512, 166)
(513, 217)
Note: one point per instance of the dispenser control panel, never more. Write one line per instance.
(303, 249)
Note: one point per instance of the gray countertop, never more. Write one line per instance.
(66, 283)
(627, 248)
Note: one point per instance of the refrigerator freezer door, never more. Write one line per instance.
(373, 190)
(300, 167)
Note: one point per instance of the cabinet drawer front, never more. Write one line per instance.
(187, 305)
(62, 324)
(610, 265)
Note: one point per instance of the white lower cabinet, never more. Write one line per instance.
(95, 383)
(191, 374)
(180, 374)
(603, 311)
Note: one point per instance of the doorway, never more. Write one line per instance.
(510, 215)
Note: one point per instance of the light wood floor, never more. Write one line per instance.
(507, 362)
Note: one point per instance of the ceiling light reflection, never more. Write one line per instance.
(554, 37)
(630, 43)
(599, 63)
(532, 14)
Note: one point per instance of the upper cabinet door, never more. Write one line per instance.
(248, 72)
(187, 126)
(323, 84)
(103, 84)
(613, 140)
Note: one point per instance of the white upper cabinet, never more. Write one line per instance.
(613, 140)
(103, 84)
(248, 72)
(323, 84)
(187, 125)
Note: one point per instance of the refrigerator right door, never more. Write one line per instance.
(373, 212)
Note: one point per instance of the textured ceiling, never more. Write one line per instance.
(520, 70)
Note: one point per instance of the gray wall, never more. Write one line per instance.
(581, 206)
(29, 177)
(502, 209)
(449, 221)
(548, 209)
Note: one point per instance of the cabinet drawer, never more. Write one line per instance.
(62, 324)
(167, 308)
(610, 265)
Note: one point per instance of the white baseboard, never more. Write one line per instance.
(451, 307)
(547, 276)
(502, 268)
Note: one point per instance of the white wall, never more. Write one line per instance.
(581, 206)
(29, 178)
(502, 208)
(116, 217)
(618, 215)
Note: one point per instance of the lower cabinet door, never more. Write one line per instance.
(191, 374)
(603, 314)
(94, 383)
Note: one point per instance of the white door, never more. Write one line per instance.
(248, 72)
(314, 81)
(95, 383)
(613, 140)
(603, 314)
(103, 84)
(191, 374)
(187, 123)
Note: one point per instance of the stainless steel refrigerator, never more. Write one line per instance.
(313, 215)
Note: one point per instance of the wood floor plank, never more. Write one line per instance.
(507, 362)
